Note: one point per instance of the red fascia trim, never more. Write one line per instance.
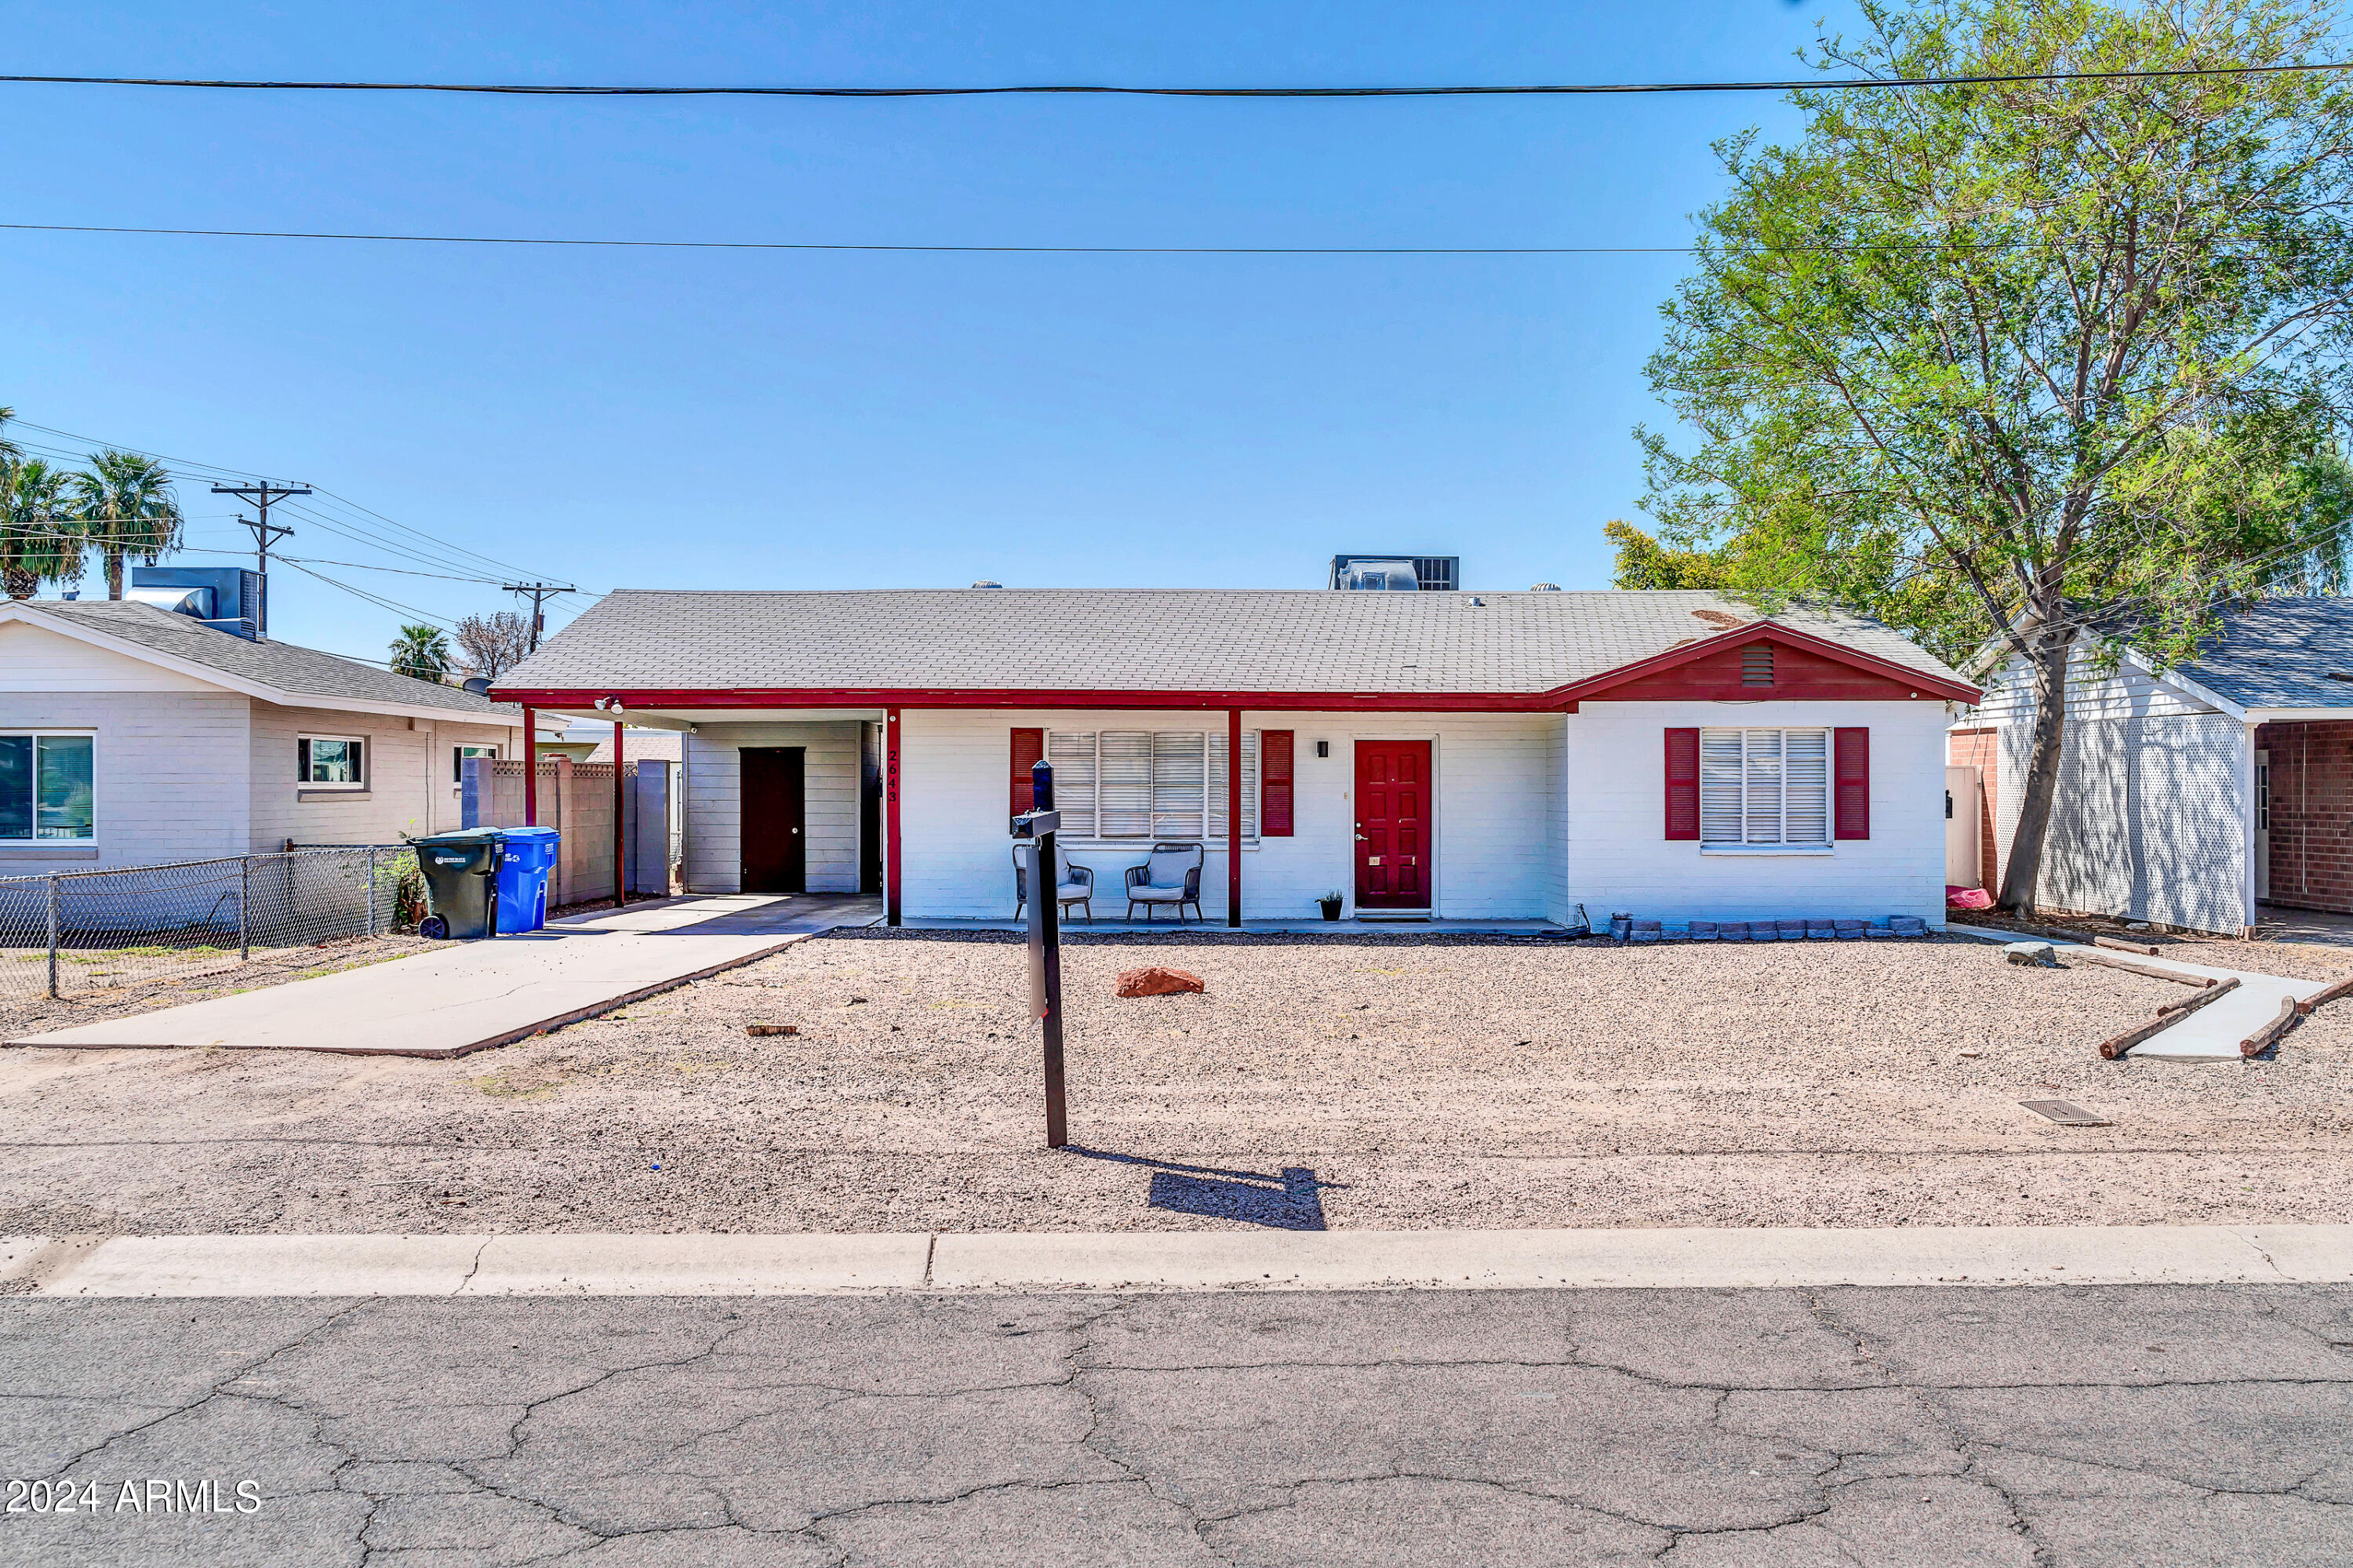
(1596, 687)
(878, 697)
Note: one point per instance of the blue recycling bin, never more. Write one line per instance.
(528, 856)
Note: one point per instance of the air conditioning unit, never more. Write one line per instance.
(1395, 573)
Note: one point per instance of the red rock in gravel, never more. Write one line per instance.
(1156, 981)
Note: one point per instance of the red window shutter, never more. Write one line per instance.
(1683, 784)
(1851, 755)
(1028, 745)
(1274, 789)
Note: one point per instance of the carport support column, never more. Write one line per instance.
(1234, 818)
(890, 815)
(529, 769)
(620, 838)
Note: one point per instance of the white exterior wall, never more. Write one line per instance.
(170, 774)
(409, 789)
(1619, 857)
(2153, 815)
(713, 853)
(1493, 784)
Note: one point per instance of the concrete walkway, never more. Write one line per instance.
(1024, 1262)
(470, 996)
(2212, 1032)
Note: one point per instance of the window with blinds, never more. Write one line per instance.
(1765, 787)
(1148, 784)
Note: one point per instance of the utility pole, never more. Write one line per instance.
(540, 593)
(265, 532)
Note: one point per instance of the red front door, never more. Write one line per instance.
(1393, 824)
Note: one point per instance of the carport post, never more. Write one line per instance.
(529, 769)
(1234, 818)
(890, 815)
(620, 860)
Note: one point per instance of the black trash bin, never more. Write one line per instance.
(461, 882)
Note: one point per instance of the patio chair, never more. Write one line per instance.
(1173, 876)
(1076, 884)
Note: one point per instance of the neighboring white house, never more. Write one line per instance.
(1446, 755)
(2191, 795)
(132, 733)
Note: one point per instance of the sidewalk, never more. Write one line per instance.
(1016, 1262)
(2210, 1034)
(470, 996)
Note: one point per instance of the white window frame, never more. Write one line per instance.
(38, 734)
(1761, 773)
(302, 780)
(1171, 807)
(458, 752)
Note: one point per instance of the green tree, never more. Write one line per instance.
(39, 539)
(127, 508)
(2035, 363)
(421, 651)
(1643, 562)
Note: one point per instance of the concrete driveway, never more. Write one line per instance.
(470, 996)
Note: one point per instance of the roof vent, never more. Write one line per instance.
(1757, 664)
(985, 583)
(1543, 587)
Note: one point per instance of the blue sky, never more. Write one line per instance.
(697, 419)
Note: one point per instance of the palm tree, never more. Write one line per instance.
(127, 508)
(421, 651)
(39, 540)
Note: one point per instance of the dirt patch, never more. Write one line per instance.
(1349, 1081)
(272, 966)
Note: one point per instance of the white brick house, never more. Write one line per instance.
(131, 735)
(1439, 755)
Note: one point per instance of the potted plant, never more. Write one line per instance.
(1331, 902)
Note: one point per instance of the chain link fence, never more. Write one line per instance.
(71, 932)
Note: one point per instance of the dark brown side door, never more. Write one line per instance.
(775, 824)
(1393, 824)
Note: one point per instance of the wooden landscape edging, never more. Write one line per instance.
(2322, 998)
(2116, 1046)
(2253, 1044)
(2148, 971)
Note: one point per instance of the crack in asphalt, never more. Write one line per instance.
(1828, 1475)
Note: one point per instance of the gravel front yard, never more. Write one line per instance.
(1369, 1081)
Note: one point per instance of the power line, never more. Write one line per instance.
(1101, 90)
(1876, 247)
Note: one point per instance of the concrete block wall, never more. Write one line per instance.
(713, 853)
(170, 771)
(2312, 813)
(411, 784)
(1619, 857)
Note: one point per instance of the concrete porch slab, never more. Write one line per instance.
(470, 996)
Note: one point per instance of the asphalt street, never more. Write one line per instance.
(2137, 1425)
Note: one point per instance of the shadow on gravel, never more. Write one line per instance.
(1290, 1202)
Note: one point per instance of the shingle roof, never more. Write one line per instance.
(2278, 654)
(1239, 639)
(298, 672)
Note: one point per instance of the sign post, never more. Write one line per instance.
(1037, 827)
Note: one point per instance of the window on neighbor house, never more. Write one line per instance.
(47, 788)
(1148, 784)
(458, 754)
(1765, 787)
(330, 762)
